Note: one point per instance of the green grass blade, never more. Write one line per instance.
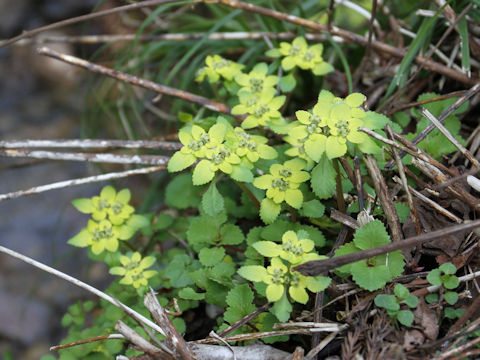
(344, 61)
(463, 30)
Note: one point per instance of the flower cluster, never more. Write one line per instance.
(230, 150)
(113, 219)
(299, 54)
(217, 67)
(295, 249)
(133, 270)
(328, 128)
(282, 185)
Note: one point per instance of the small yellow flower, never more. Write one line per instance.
(133, 270)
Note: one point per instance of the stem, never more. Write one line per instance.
(340, 200)
(249, 194)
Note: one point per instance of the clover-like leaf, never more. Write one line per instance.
(451, 297)
(405, 317)
(388, 302)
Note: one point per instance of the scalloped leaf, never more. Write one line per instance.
(323, 178)
(212, 200)
(180, 161)
(269, 210)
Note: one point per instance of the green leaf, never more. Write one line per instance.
(450, 281)
(451, 297)
(288, 83)
(448, 268)
(433, 277)
(372, 234)
(464, 43)
(323, 178)
(282, 308)
(81, 239)
(403, 210)
(346, 249)
(180, 161)
(202, 173)
(178, 269)
(189, 294)
(202, 231)
(138, 221)
(241, 173)
(222, 271)
(313, 209)
(83, 205)
(268, 248)
(431, 298)
(239, 300)
(275, 53)
(370, 277)
(163, 221)
(181, 193)
(241, 297)
(253, 272)
(388, 302)
(211, 256)
(269, 210)
(212, 200)
(411, 301)
(402, 73)
(401, 291)
(231, 235)
(396, 263)
(405, 317)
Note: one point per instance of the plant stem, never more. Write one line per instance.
(249, 194)
(340, 200)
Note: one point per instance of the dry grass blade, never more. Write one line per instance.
(85, 286)
(87, 157)
(79, 181)
(134, 80)
(317, 267)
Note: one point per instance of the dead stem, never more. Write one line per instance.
(317, 267)
(134, 80)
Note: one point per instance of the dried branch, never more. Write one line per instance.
(85, 286)
(227, 35)
(79, 181)
(451, 109)
(244, 320)
(317, 267)
(450, 137)
(74, 20)
(134, 80)
(349, 36)
(172, 337)
(86, 341)
(257, 352)
(90, 144)
(387, 203)
(87, 157)
(403, 182)
(132, 336)
(430, 202)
